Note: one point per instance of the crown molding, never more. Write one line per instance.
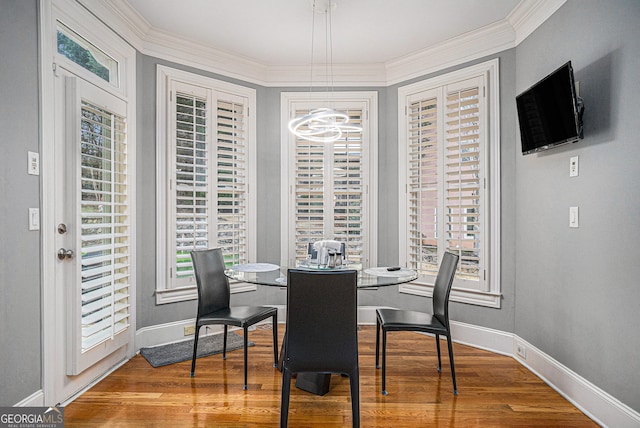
(505, 34)
(189, 52)
(530, 14)
(476, 44)
(342, 75)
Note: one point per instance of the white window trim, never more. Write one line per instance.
(164, 74)
(491, 297)
(74, 17)
(288, 101)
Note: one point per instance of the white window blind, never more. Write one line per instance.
(191, 182)
(445, 211)
(205, 158)
(423, 185)
(330, 191)
(463, 180)
(231, 183)
(105, 232)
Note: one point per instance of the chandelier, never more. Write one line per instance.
(325, 124)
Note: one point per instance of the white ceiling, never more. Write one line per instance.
(278, 32)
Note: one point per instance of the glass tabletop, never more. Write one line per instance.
(274, 275)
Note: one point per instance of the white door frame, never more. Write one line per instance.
(56, 386)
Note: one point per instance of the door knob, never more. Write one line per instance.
(65, 254)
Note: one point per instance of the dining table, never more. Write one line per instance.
(275, 275)
(269, 274)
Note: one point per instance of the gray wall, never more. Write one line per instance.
(577, 293)
(20, 306)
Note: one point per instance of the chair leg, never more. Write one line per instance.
(274, 327)
(246, 340)
(354, 382)
(224, 343)
(377, 343)
(284, 399)
(195, 351)
(453, 370)
(438, 348)
(384, 361)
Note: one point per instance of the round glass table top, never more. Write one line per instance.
(274, 275)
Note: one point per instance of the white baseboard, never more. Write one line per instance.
(34, 400)
(600, 406)
(485, 338)
(162, 334)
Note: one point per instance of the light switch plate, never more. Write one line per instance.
(573, 167)
(573, 217)
(34, 219)
(33, 167)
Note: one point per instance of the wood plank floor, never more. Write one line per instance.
(494, 391)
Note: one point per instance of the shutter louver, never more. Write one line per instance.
(463, 185)
(231, 181)
(191, 181)
(104, 231)
(423, 186)
(348, 186)
(310, 204)
(329, 191)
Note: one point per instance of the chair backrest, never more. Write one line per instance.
(321, 321)
(213, 285)
(442, 287)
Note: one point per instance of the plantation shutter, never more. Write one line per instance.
(423, 185)
(192, 182)
(310, 201)
(463, 180)
(329, 191)
(445, 180)
(348, 188)
(105, 233)
(231, 180)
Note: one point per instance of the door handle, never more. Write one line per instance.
(65, 254)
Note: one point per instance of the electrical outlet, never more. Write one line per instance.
(521, 351)
(190, 330)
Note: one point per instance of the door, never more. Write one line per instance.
(94, 239)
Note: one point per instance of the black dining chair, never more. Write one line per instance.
(436, 323)
(322, 332)
(213, 305)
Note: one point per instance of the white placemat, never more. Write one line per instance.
(382, 271)
(255, 267)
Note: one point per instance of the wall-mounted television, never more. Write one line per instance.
(550, 112)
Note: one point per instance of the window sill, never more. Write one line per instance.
(472, 297)
(184, 294)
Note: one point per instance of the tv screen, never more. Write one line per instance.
(550, 112)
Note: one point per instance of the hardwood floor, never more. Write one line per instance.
(494, 391)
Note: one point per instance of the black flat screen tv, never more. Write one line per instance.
(550, 112)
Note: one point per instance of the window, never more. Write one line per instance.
(85, 54)
(450, 181)
(206, 139)
(328, 193)
(105, 233)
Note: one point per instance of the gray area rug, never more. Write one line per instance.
(163, 355)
